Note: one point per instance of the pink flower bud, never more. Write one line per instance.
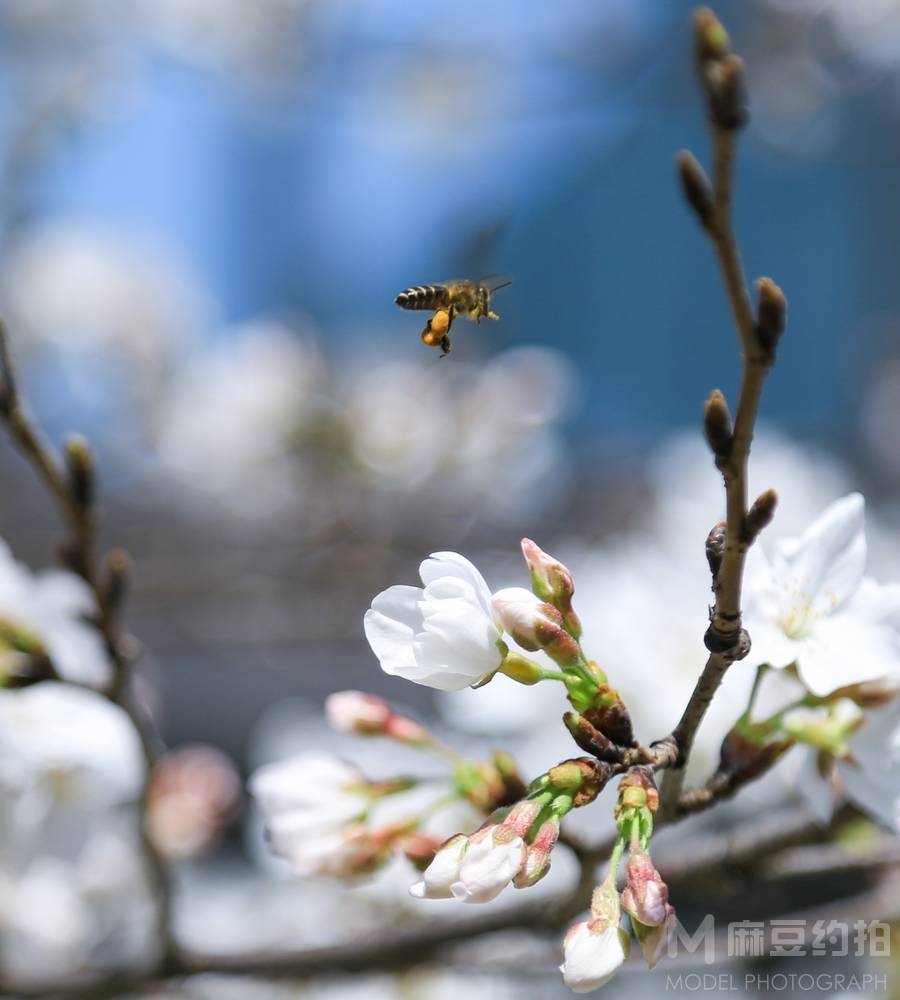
(535, 624)
(357, 712)
(193, 794)
(552, 582)
(549, 578)
(521, 817)
(419, 848)
(522, 615)
(653, 940)
(403, 729)
(537, 855)
(646, 896)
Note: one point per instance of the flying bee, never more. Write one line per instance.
(471, 299)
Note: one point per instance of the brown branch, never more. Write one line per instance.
(71, 487)
(722, 77)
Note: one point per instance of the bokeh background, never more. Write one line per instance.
(206, 210)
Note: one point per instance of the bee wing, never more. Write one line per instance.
(493, 282)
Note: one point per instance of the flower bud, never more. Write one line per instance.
(443, 871)
(695, 187)
(80, 464)
(595, 948)
(357, 712)
(192, 796)
(654, 938)
(646, 896)
(710, 37)
(552, 582)
(725, 88)
(610, 715)
(637, 790)
(760, 515)
(534, 625)
(493, 857)
(592, 955)
(581, 778)
(590, 739)
(419, 849)
(537, 855)
(717, 425)
(771, 311)
(369, 715)
(522, 817)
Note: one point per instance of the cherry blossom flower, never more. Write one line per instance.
(67, 745)
(593, 954)
(308, 793)
(868, 774)
(53, 606)
(809, 603)
(444, 636)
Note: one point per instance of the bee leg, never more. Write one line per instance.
(493, 315)
(445, 346)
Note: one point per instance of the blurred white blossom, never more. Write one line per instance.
(66, 746)
(227, 419)
(53, 606)
(71, 288)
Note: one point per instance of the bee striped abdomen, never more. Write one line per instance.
(423, 297)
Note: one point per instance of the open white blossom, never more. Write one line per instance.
(869, 776)
(808, 603)
(52, 605)
(444, 636)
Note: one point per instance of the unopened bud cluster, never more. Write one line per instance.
(721, 72)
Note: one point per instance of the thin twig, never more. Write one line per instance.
(73, 497)
(725, 638)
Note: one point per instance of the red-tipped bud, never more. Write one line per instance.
(537, 855)
(646, 896)
(552, 582)
(534, 625)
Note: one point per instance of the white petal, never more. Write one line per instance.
(400, 603)
(768, 643)
(440, 564)
(391, 642)
(828, 561)
(846, 650)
